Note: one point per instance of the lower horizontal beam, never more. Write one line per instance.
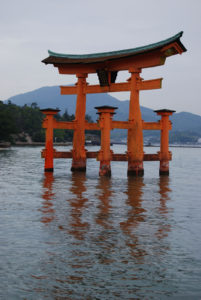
(64, 125)
(115, 124)
(151, 125)
(91, 126)
(60, 124)
(121, 124)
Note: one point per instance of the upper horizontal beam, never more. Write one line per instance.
(113, 87)
(93, 89)
(150, 84)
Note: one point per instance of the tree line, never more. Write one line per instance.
(19, 122)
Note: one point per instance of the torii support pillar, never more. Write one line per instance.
(135, 133)
(49, 150)
(105, 122)
(164, 146)
(79, 152)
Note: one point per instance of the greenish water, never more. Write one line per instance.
(78, 236)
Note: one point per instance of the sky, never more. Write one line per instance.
(28, 28)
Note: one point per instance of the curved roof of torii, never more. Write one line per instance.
(59, 58)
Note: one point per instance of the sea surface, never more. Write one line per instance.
(79, 236)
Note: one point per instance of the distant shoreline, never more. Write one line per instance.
(35, 144)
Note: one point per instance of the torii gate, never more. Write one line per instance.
(106, 66)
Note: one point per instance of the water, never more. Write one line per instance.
(68, 236)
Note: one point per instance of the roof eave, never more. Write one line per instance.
(56, 58)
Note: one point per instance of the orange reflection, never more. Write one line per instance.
(164, 191)
(104, 186)
(78, 204)
(135, 215)
(104, 239)
(47, 208)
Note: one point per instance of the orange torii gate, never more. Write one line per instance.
(106, 66)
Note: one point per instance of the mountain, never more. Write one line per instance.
(49, 97)
(185, 121)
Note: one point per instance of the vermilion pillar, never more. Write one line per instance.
(135, 133)
(49, 150)
(105, 121)
(164, 146)
(79, 152)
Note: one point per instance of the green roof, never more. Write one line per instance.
(88, 58)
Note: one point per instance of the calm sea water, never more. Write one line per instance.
(78, 236)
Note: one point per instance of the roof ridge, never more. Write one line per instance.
(119, 52)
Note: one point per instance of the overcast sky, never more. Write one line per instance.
(28, 28)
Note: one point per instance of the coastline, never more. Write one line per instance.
(33, 144)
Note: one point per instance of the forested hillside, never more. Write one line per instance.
(21, 121)
(18, 122)
(24, 124)
(186, 126)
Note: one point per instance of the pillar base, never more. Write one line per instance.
(164, 167)
(79, 165)
(135, 173)
(49, 170)
(105, 169)
(135, 169)
(161, 172)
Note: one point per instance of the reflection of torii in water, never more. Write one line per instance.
(48, 194)
(105, 236)
(104, 241)
(164, 191)
(77, 203)
(135, 215)
(105, 193)
(78, 228)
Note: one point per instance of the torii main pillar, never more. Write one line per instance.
(135, 133)
(79, 152)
